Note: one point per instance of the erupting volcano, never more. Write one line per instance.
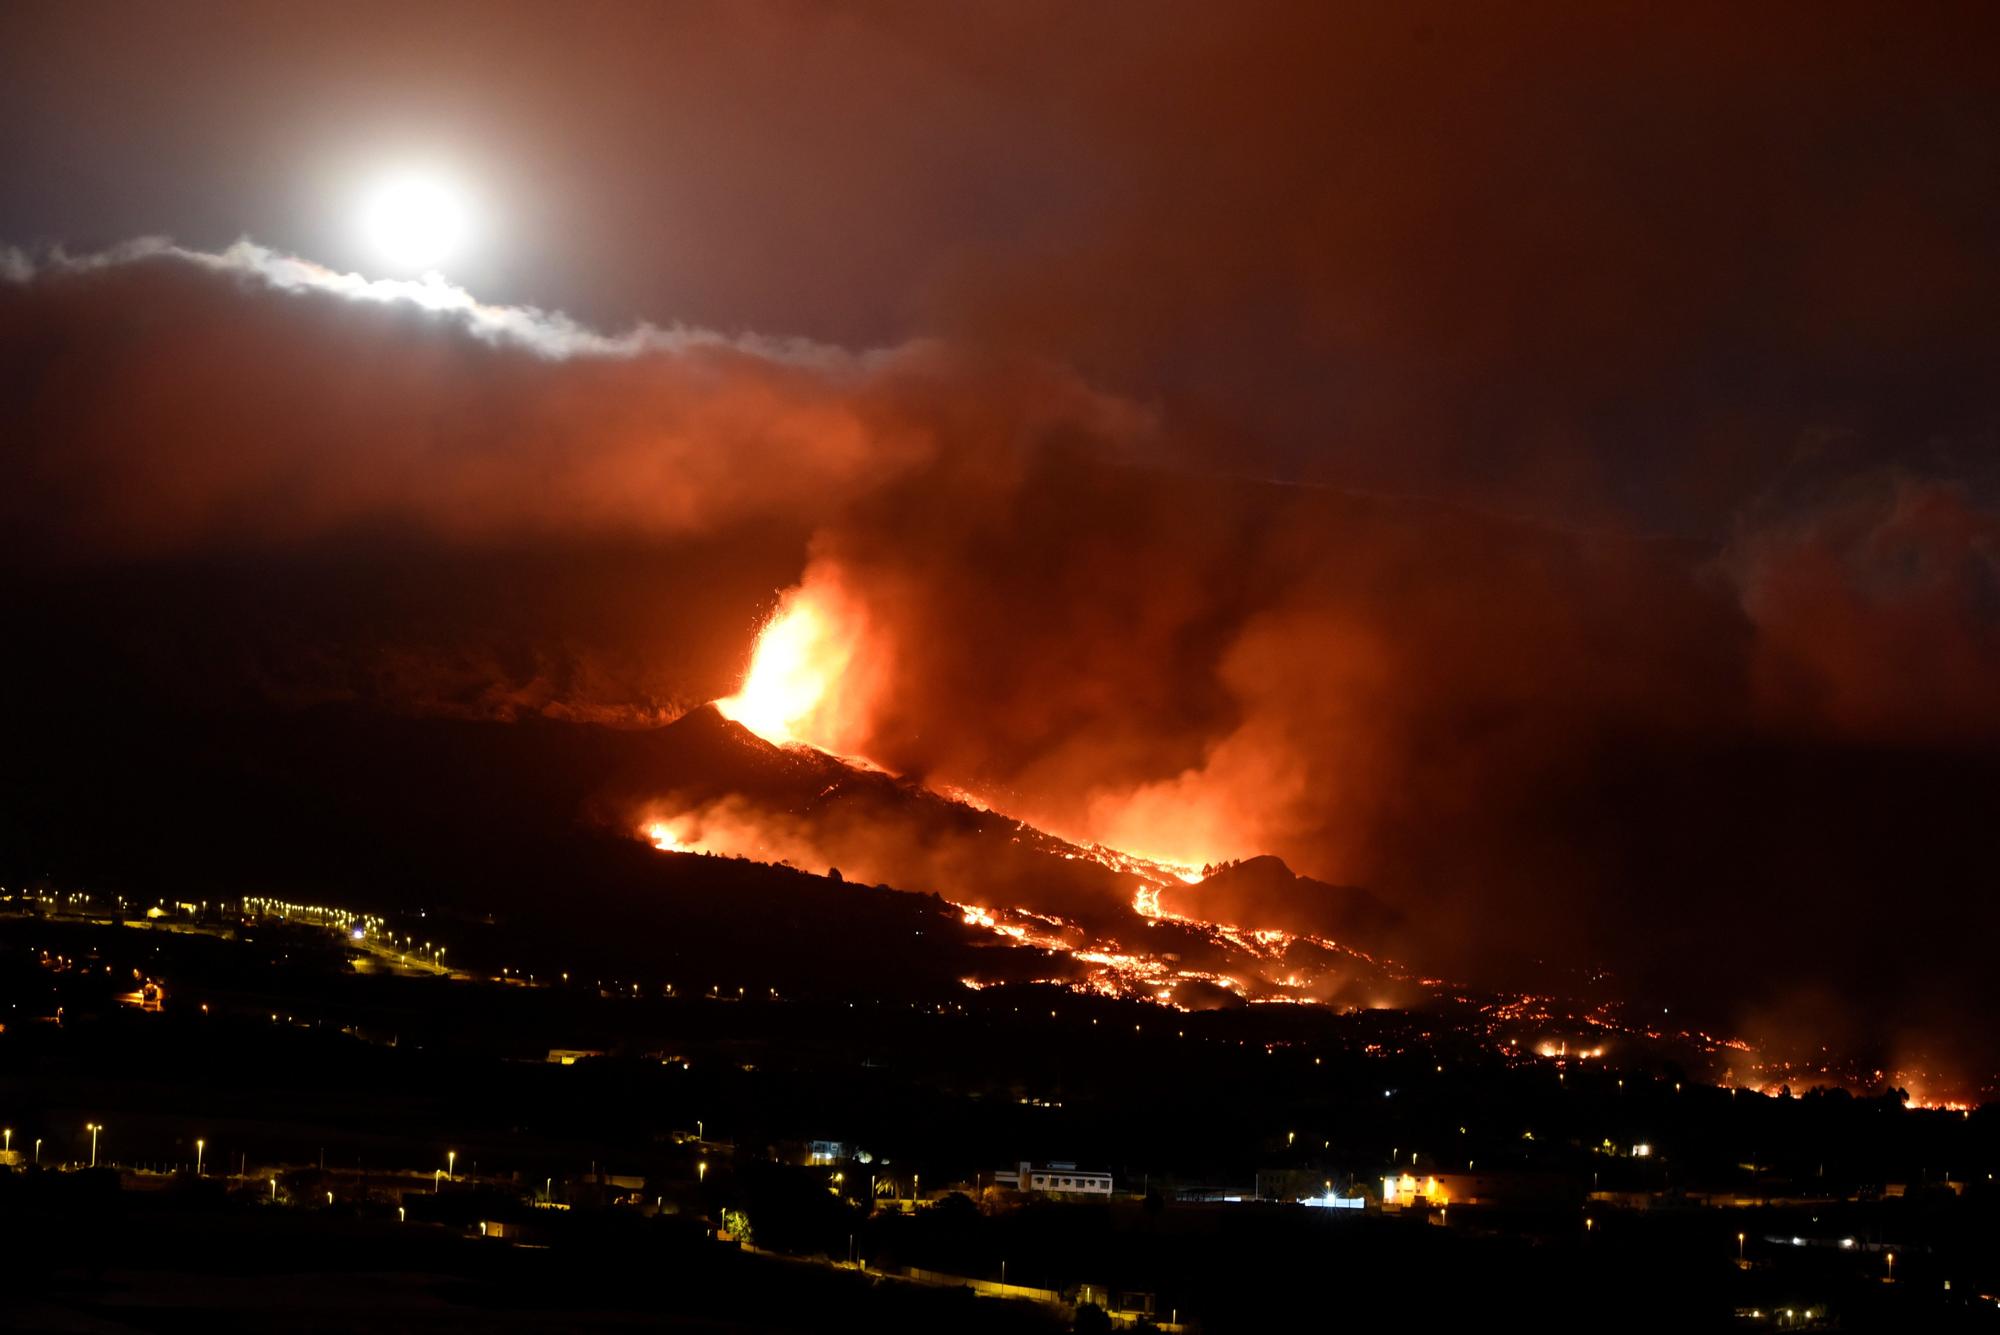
(791, 795)
(910, 666)
(747, 778)
(815, 680)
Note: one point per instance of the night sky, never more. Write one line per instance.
(1539, 465)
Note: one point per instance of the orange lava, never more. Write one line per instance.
(808, 681)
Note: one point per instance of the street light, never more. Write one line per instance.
(199, 1145)
(38, 1149)
(9, 1146)
(701, 1171)
(94, 1129)
(450, 1162)
(1739, 1249)
(436, 1174)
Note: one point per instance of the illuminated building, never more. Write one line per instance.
(1407, 1189)
(1403, 1190)
(1060, 1179)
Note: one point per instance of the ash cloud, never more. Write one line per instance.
(392, 493)
(252, 397)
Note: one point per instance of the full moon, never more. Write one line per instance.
(415, 221)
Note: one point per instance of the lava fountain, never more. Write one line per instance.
(806, 682)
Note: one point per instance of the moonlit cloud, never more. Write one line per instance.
(547, 333)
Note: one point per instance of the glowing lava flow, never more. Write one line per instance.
(1183, 962)
(1108, 970)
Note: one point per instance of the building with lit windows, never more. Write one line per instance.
(1058, 1179)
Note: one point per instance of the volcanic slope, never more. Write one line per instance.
(1251, 930)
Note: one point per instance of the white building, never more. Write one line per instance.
(1062, 1179)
